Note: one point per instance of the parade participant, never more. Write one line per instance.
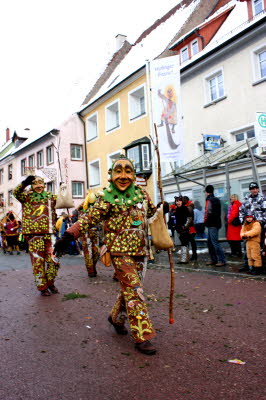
(38, 227)
(12, 233)
(124, 208)
(89, 240)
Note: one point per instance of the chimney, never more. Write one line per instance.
(120, 40)
(7, 134)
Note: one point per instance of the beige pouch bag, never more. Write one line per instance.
(64, 199)
(159, 232)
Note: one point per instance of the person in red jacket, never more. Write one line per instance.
(234, 227)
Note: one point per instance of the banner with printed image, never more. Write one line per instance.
(166, 107)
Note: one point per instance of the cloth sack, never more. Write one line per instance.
(64, 199)
(105, 256)
(236, 221)
(159, 232)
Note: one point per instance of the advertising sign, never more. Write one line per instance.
(212, 142)
(166, 107)
(260, 128)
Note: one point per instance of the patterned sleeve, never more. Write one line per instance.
(151, 207)
(20, 194)
(93, 216)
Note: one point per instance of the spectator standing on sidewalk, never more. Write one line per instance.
(192, 231)
(38, 226)
(12, 226)
(251, 232)
(199, 220)
(183, 222)
(234, 226)
(172, 222)
(254, 204)
(212, 220)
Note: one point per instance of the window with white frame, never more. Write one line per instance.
(10, 172)
(214, 86)
(94, 173)
(77, 189)
(145, 157)
(1, 176)
(49, 155)
(244, 134)
(133, 154)
(259, 63)
(92, 127)
(112, 116)
(194, 47)
(50, 187)
(257, 6)
(76, 152)
(10, 197)
(136, 103)
(112, 157)
(23, 167)
(40, 159)
(31, 161)
(184, 54)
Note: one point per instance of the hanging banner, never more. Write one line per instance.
(212, 142)
(166, 107)
(260, 128)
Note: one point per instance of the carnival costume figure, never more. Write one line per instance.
(90, 239)
(38, 227)
(125, 209)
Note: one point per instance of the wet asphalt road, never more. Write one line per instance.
(66, 350)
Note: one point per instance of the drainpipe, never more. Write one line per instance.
(200, 36)
(85, 152)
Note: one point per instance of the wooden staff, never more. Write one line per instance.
(170, 256)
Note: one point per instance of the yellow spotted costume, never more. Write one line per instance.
(38, 228)
(125, 229)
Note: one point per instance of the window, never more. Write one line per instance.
(112, 116)
(78, 189)
(94, 173)
(40, 159)
(140, 155)
(1, 176)
(145, 157)
(76, 152)
(22, 166)
(31, 161)
(136, 103)
(50, 155)
(92, 127)
(2, 203)
(259, 63)
(133, 154)
(10, 197)
(184, 54)
(244, 134)
(10, 174)
(112, 157)
(257, 6)
(50, 187)
(194, 47)
(214, 85)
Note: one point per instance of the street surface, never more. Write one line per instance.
(66, 350)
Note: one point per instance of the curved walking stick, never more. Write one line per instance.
(170, 256)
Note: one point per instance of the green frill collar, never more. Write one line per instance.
(40, 196)
(131, 196)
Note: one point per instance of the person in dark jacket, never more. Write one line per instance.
(212, 220)
(184, 219)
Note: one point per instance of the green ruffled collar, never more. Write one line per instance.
(131, 196)
(40, 196)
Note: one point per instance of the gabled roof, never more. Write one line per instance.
(143, 140)
(154, 41)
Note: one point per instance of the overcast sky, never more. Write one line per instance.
(52, 52)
